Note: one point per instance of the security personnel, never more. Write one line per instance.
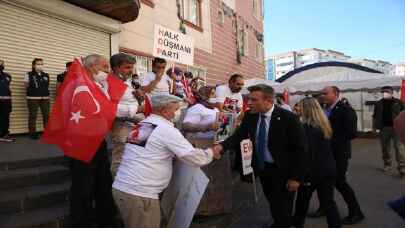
(37, 84)
(5, 104)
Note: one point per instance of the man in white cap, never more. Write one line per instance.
(146, 166)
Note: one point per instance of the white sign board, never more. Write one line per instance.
(246, 149)
(174, 46)
(183, 195)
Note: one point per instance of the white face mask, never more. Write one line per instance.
(100, 76)
(38, 68)
(212, 100)
(176, 117)
(387, 95)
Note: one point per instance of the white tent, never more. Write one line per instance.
(359, 87)
(256, 81)
(357, 83)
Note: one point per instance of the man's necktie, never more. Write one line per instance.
(261, 142)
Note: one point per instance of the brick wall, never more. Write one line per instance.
(222, 62)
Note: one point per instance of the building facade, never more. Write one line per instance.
(399, 69)
(228, 35)
(382, 66)
(286, 62)
(270, 69)
(56, 31)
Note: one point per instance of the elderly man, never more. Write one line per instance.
(92, 181)
(146, 166)
(122, 66)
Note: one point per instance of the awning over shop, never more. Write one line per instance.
(122, 10)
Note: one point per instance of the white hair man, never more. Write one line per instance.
(146, 166)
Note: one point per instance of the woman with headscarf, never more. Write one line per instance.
(200, 125)
(201, 118)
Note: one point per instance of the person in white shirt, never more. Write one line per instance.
(156, 82)
(229, 96)
(201, 119)
(122, 66)
(146, 166)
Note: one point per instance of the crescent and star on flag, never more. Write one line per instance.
(76, 116)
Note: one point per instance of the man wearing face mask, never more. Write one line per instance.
(229, 97)
(91, 182)
(385, 111)
(122, 66)
(5, 104)
(147, 163)
(37, 85)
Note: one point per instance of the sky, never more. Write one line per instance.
(373, 29)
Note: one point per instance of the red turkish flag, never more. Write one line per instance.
(82, 114)
(403, 90)
(147, 106)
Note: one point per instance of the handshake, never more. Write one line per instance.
(217, 151)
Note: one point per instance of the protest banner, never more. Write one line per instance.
(173, 46)
(246, 149)
(182, 196)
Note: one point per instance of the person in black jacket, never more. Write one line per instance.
(61, 77)
(280, 151)
(322, 175)
(37, 83)
(343, 120)
(385, 111)
(5, 104)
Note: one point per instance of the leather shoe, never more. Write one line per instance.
(317, 214)
(353, 219)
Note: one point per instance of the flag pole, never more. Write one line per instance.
(254, 187)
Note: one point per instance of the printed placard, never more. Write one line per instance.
(174, 46)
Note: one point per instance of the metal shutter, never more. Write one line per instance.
(25, 35)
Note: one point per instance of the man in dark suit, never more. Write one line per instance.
(280, 152)
(343, 120)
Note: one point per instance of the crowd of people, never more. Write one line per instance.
(295, 151)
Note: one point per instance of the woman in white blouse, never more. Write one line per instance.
(201, 119)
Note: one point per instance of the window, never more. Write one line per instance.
(221, 17)
(198, 72)
(243, 42)
(285, 64)
(257, 9)
(259, 52)
(190, 12)
(143, 64)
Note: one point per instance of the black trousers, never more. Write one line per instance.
(344, 188)
(90, 194)
(325, 188)
(274, 184)
(5, 110)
